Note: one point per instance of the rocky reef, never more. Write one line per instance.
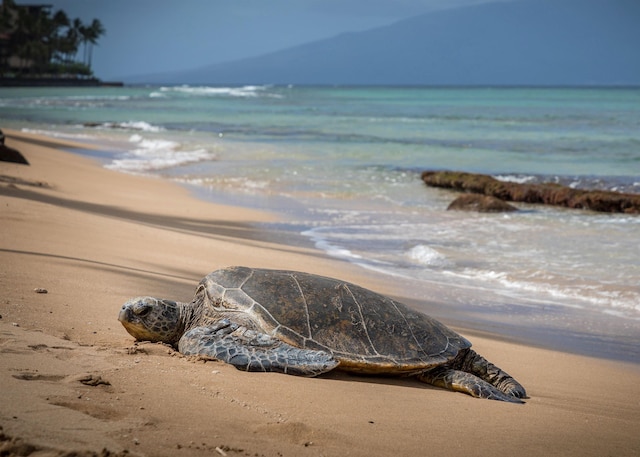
(481, 204)
(544, 193)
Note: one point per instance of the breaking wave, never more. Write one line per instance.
(243, 91)
(157, 154)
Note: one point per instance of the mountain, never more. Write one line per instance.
(531, 42)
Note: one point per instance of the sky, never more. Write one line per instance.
(158, 36)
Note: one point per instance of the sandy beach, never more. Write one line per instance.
(73, 382)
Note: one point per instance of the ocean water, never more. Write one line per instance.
(342, 168)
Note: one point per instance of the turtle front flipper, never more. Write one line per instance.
(461, 381)
(250, 350)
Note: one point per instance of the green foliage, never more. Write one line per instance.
(36, 43)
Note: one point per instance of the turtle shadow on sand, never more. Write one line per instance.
(410, 382)
(303, 324)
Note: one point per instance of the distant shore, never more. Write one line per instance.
(57, 82)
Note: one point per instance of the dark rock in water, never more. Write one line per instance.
(481, 203)
(546, 193)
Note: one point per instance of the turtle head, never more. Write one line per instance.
(153, 319)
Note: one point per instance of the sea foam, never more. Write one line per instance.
(244, 91)
(157, 154)
(425, 255)
(141, 126)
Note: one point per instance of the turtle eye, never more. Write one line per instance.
(142, 310)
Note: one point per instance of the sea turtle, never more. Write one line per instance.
(303, 324)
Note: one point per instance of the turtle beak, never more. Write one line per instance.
(125, 314)
(133, 310)
(131, 323)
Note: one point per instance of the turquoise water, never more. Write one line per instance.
(342, 165)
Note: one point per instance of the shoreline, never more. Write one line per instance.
(607, 337)
(93, 238)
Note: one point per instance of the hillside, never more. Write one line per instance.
(534, 42)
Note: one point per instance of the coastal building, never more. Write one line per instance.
(11, 61)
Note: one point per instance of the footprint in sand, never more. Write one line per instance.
(59, 352)
(87, 407)
(295, 433)
(88, 379)
(76, 404)
(29, 376)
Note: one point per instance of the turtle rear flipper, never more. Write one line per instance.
(474, 363)
(461, 381)
(250, 350)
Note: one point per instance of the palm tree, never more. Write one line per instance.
(96, 30)
(59, 43)
(32, 39)
(80, 33)
(45, 43)
(68, 45)
(7, 17)
(25, 42)
(7, 12)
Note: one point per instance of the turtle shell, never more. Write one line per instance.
(367, 332)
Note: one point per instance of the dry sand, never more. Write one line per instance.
(73, 382)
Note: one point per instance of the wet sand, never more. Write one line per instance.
(73, 380)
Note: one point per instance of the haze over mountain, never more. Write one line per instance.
(534, 42)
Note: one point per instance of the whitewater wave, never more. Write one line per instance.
(157, 154)
(141, 126)
(424, 255)
(242, 91)
(519, 179)
(330, 248)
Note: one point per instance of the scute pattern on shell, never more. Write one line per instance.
(360, 327)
